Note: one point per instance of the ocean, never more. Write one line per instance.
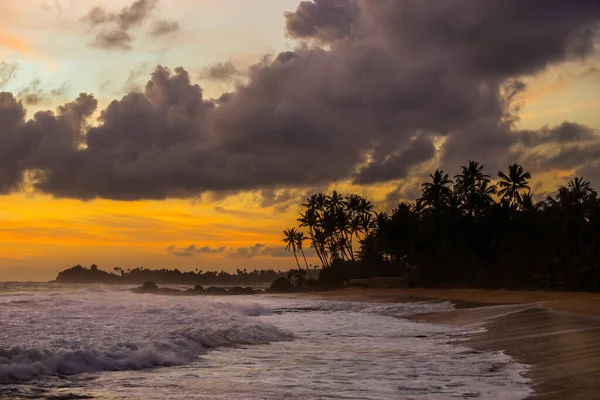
(105, 342)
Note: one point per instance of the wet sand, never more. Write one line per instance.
(557, 334)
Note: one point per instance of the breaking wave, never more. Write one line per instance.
(79, 334)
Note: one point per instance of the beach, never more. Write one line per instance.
(557, 334)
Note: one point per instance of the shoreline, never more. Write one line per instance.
(556, 334)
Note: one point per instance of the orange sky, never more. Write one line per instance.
(40, 235)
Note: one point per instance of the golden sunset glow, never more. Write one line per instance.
(9, 44)
(57, 53)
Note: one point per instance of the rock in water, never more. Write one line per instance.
(149, 286)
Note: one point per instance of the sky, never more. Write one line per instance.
(185, 133)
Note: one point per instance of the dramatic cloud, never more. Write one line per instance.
(396, 165)
(564, 147)
(567, 132)
(36, 144)
(391, 79)
(325, 20)
(114, 28)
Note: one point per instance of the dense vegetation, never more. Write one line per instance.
(462, 232)
(79, 274)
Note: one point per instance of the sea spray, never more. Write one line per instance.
(338, 349)
(83, 332)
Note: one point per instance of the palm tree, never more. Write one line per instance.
(437, 194)
(335, 201)
(471, 176)
(418, 207)
(299, 239)
(579, 189)
(527, 204)
(513, 183)
(472, 188)
(483, 198)
(313, 219)
(289, 238)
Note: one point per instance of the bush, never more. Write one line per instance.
(335, 275)
(281, 285)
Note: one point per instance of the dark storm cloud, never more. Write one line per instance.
(567, 146)
(567, 132)
(396, 166)
(34, 144)
(325, 20)
(164, 27)
(570, 157)
(282, 199)
(391, 70)
(114, 28)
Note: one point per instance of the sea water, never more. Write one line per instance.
(105, 342)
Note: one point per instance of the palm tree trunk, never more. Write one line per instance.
(315, 245)
(350, 246)
(324, 254)
(305, 262)
(296, 257)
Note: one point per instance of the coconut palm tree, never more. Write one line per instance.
(472, 187)
(471, 176)
(418, 207)
(313, 220)
(512, 184)
(483, 198)
(290, 239)
(579, 189)
(299, 239)
(437, 194)
(527, 203)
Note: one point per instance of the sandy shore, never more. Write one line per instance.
(556, 333)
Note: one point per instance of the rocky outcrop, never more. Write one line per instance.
(151, 288)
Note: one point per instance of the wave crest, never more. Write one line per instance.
(145, 336)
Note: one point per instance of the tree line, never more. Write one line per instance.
(466, 231)
(93, 274)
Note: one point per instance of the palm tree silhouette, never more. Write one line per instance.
(471, 176)
(527, 203)
(437, 194)
(313, 219)
(299, 239)
(472, 188)
(579, 189)
(290, 239)
(513, 183)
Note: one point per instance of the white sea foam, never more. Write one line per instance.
(68, 334)
(317, 349)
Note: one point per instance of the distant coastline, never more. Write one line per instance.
(94, 275)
